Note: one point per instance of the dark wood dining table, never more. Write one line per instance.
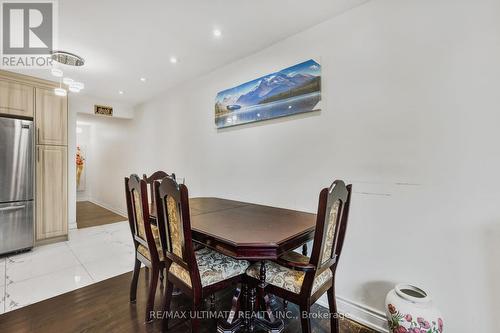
(253, 232)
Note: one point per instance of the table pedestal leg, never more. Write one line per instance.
(245, 306)
(251, 309)
(270, 324)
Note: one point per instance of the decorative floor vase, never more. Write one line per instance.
(410, 310)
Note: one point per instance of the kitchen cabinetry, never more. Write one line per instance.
(51, 191)
(31, 98)
(51, 118)
(16, 99)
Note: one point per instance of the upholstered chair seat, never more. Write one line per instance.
(213, 267)
(145, 251)
(287, 278)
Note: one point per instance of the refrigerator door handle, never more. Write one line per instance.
(5, 209)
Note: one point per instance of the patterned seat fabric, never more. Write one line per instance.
(213, 267)
(286, 278)
(145, 251)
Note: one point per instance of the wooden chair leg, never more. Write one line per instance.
(334, 321)
(195, 321)
(166, 305)
(304, 320)
(135, 278)
(152, 292)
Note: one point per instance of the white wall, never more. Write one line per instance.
(409, 117)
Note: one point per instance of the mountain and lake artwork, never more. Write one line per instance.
(293, 90)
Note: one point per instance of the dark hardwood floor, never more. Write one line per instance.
(89, 214)
(105, 307)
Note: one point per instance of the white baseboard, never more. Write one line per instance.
(114, 210)
(360, 313)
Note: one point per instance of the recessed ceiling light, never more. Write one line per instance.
(217, 33)
(143, 79)
(173, 60)
(120, 92)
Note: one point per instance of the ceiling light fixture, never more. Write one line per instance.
(67, 81)
(78, 85)
(56, 72)
(73, 85)
(60, 92)
(67, 58)
(173, 60)
(143, 79)
(217, 33)
(120, 92)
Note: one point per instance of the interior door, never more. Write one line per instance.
(51, 192)
(51, 118)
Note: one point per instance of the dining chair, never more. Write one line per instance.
(157, 175)
(200, 273)
(301, 279)
(146, 239)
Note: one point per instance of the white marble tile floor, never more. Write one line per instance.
(89, 256)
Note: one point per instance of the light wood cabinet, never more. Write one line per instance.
(51, 118)
(51, 193)
(27, 96)
(16, 99)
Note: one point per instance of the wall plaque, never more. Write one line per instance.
(103, 110)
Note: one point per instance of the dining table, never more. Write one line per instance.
(253, 232)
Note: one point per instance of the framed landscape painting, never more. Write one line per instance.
(293, 90)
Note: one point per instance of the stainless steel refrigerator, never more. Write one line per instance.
(16, 185)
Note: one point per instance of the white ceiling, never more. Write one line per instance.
(123, 41)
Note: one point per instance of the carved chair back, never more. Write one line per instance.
(331, 223)
(172, 202)
(157, 175)
(138, 214)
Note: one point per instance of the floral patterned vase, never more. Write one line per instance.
(410, 310)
